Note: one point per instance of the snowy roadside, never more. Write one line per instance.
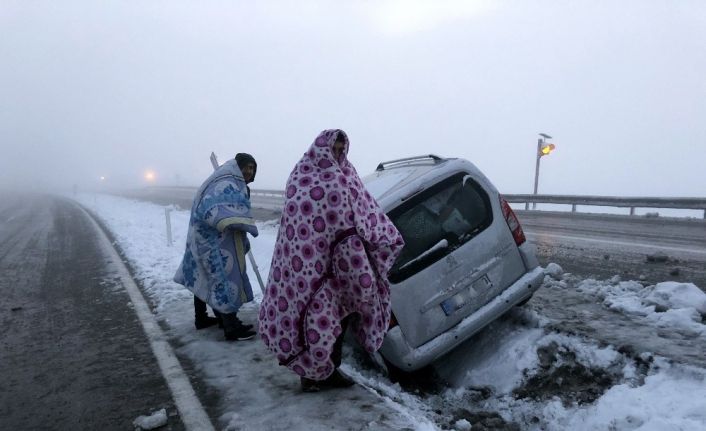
(503, 374)
(256, 393)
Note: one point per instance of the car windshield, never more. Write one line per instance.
(437, 221)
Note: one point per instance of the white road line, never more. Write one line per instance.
(192, 413)
(614, 242)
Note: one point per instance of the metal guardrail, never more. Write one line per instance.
(269, 193)
(611, 201)
(574, 200)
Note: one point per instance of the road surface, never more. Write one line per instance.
(73, 353)
(635, 248)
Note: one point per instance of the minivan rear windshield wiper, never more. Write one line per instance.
(441, 245)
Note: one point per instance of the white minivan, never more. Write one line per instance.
(465, 262)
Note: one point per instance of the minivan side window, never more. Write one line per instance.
(437, 221)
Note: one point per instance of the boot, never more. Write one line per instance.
(201, 318)
(202, 322)
(234, 330)
(239, 334)
(335, 380)
(238, 321)
(339, 380)
(244, 325)
(309, 385)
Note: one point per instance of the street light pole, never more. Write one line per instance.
(540, 144)
(536, 170)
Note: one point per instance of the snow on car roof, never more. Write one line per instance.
(379, 183)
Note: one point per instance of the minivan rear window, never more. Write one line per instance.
(437, 221)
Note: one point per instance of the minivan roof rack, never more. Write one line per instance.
(409, 160)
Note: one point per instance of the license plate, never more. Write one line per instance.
(465, 296)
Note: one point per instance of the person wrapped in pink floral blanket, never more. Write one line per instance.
(334, 248)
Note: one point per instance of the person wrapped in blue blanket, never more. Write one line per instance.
(213, 267)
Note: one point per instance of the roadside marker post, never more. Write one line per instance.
(168, 219)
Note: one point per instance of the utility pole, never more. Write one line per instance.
(543, 149)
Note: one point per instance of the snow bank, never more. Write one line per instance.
(554, 270)
(673, 398)
(502, 366)
(463, 425)
(681, 306)
(673, 295)
(668, 396)
(152, 421)
(505, 366)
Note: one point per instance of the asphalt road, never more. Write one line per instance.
(73, 354)
(635, 248)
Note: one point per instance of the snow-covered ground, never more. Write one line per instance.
(515, 374)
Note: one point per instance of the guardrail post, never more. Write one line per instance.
(705, 214)
(168, 219)
(632, 210)
(573, 208)
(527, 208)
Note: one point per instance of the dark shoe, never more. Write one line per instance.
(244, 325)
(205, 322)
(239, 322)
(335, 380)
(239, 334)
(309, 385)
(338, 380)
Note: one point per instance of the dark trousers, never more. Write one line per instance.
(200, 310)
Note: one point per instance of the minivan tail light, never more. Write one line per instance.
(512, 222)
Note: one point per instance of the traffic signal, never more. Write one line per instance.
(546, 149)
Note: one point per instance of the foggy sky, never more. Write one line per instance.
(102, 88)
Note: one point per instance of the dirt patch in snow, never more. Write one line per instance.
(561, 375)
